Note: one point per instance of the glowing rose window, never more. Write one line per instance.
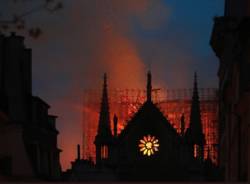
(149, 145)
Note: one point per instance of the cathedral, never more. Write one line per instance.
(149, 148)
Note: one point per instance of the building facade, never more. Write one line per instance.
(149, 147)
(231, 44)
(32, 128)
(173, 103)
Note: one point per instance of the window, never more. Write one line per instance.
(104, 152)
(197, 151)
(148, 145)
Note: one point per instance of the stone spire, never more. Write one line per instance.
(104, 128)
(149, 86)
(195, 126)
(104, 136)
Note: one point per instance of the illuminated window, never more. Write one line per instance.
(196, 151)
(148, 145)
(104, 152)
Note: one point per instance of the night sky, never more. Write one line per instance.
(124, 38)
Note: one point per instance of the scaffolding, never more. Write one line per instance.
(172, 103)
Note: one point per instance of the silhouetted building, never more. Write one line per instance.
(14, 161)
(104, 137)
(30, 133)
(237, 8)
(230, 41)
(148, 148)
(124, 103)
(194, 134)
(87, 170)
(81, 170)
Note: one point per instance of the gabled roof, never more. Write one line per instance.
(147, 108)
(41, 101)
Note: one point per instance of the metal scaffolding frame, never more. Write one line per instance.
(173, 103)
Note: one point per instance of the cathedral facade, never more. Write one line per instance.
(149, 148)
